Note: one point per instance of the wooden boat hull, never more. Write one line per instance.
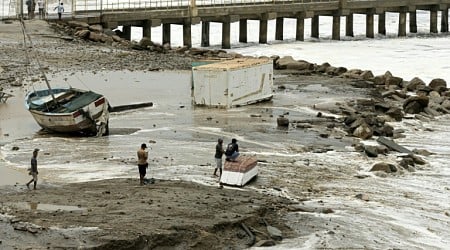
(86, 118)
(240, 172)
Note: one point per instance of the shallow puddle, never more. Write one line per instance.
(45, 207)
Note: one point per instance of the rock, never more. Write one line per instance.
(438, 85)
(431, 111)
(364, 132)
(95, 37)
(423, 152)
(366, 75)
(323, 67)
(415, 84)
(82, 33)
(75, 24)
(145, 42)
(274, 233)
(283, 121)
(265, 243)
(379, 80)
(96, 28)
(363, 197)
(406, 162)
(371, 151)
(393, 81)
(395, 113)
(415, 104)
(384, 167)
(418, 160)
(284, 61)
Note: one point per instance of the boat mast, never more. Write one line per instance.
(25, 36)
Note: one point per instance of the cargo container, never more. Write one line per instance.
(232, 83)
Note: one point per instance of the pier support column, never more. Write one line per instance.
(300, 29)
(413, 21)
(187, 41)
(147, 29)
(433, 20)
(336, 33)
(243, 31)
(444, 20)
(349, 25)
(226, 29)
(205, 34)
(127, 32)
(166, 33)
(369, 25)
(315, 26)
(263, 31)
(382, 23)
(279, 28)
(402, 24)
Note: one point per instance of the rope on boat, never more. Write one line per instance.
(26, 37)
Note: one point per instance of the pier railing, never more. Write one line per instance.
(139, 5)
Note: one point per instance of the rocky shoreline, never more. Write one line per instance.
(67, 46)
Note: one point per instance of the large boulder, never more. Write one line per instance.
(438, 85)
(394, 81)
(395, 113)
(415, 104)
(74, 24)
(415, 84)
(283, 62)
(364, 131)
(146, 42)
(385, 167)
(96, 28)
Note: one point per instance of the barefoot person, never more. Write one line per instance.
(33, 169)
(142, 162)
(218, 157)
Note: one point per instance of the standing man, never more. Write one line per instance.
(41, 9)
(218, 157)
(60, 8)
(33, 169)
(232, 151)
(28, 3)
(142, 162)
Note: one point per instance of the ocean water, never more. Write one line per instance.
(409, 210)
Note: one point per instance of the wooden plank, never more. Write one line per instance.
(394, 146)
(130, 106)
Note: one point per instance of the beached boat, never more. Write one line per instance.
(69, 110)
(239, 172)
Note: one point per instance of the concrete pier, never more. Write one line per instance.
(402, 24)
(205, 34)
(369, 25)
(226, 29)
(315, 27)
(220, 11)
(279, 28)
(300, 29)
(444, 20)
(166, 33)
(243, 31)
(263, 31)
(413, 21)
(382, 23)
(349, 25)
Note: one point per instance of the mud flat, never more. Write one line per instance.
(120, 214)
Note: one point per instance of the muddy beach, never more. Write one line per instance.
(299, 189)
